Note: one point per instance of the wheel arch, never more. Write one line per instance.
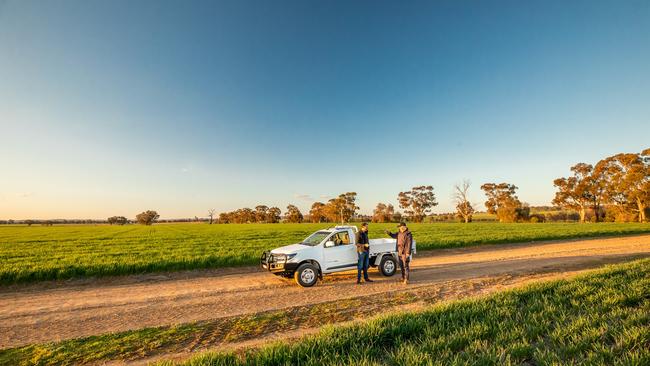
(381, 256)
(314, 263)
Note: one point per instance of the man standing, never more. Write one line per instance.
(363, 253)
(404, 244)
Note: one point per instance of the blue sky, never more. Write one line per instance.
(114, 107)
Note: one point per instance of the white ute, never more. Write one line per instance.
(328, 251)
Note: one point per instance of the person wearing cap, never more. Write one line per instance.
(363, 253)
(404, 244)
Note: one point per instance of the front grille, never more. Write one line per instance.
(273, 262)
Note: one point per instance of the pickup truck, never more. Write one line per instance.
(328, 251)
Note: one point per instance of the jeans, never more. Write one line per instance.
(404, 265)
(362, 264)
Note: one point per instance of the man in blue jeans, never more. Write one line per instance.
(363, 253)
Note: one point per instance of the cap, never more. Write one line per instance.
(401, 224)
(364, 224)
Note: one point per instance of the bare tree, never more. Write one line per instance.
(464, 208)
(211, 213)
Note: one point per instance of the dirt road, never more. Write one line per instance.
(56, 311)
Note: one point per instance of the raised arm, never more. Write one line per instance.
(394, 236)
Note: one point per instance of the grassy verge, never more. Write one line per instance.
(30, 254)
(602, 318)
(596, 318)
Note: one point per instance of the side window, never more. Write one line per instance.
(341, 238)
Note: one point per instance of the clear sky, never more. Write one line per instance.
(114, 107)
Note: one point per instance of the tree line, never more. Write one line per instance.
(616, 188)
(339, 209)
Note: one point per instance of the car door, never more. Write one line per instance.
(343, 255)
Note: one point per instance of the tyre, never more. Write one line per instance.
(388, 265)
(306, 275)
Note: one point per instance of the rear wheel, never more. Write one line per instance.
(306, 275)
(388, 265)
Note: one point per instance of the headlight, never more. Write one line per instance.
(283, 257)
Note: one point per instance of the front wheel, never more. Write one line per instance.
(388, 266)
(306, 275)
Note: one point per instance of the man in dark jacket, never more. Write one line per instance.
(363, 253)
(404, 245)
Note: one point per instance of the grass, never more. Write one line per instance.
(39, 253)
(599, 318)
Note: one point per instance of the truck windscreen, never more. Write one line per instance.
(316, 238)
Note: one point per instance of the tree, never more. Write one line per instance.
(211, 213)
(293, 214)
(349, 205)
(417, 202)
(261, 212)
(244, 215)
(379, 213)
(578, 192)
(341, 208)
(317, 212)
(333, 210)
(628, 183)
(273, 215)
(119, 220)
(29, 222)
(464, 209)
(389, 213)
(147, 217)
(502, 201)
(383, 213)
(225, 218)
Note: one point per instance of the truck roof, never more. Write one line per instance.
(343, 227)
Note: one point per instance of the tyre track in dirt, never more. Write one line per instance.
(57, 311)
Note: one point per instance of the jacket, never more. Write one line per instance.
(404, 242)
(362, 240)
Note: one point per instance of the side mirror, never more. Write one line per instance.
(329, 244)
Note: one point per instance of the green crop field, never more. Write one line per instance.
(598, 319)
(60, 252)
